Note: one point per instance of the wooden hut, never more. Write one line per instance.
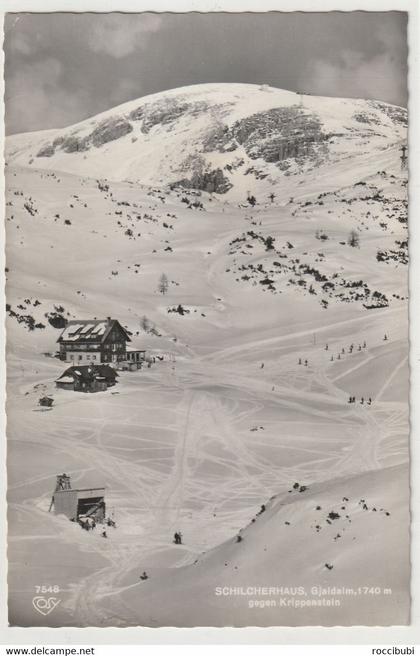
(87, 378)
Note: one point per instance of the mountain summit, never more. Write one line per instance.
(223, 138)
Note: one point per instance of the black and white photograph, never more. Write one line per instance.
(207, 319)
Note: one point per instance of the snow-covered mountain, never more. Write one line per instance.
(274, 313)
(227, 138)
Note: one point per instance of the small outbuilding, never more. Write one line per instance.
(133, 361)
(135, 356)
(87, 378)
(46, 401)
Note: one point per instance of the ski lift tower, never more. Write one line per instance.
(403, 157)
(62, 483)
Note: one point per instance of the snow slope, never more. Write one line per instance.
(229, 418)
(262, 580)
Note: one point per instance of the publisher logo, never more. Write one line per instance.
(45, 605)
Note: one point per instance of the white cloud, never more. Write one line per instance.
(379, 77)
(119, 35)
(34, 92)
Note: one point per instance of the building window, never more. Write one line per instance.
(80, 357)
(93, 357)
(87, 357)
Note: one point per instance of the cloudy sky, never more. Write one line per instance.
(61, 68)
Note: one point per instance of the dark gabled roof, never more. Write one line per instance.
(95, 331)
(88, 373)
(111, 324)
(106, 371)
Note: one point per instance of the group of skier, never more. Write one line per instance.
(89, 524)
(352, 399)
(351, 349)
(343, 350)
(341, 353)
(305, 362)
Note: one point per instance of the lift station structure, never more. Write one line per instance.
(75, 503)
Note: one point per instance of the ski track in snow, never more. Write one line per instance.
(211, 419)
(201, 412)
